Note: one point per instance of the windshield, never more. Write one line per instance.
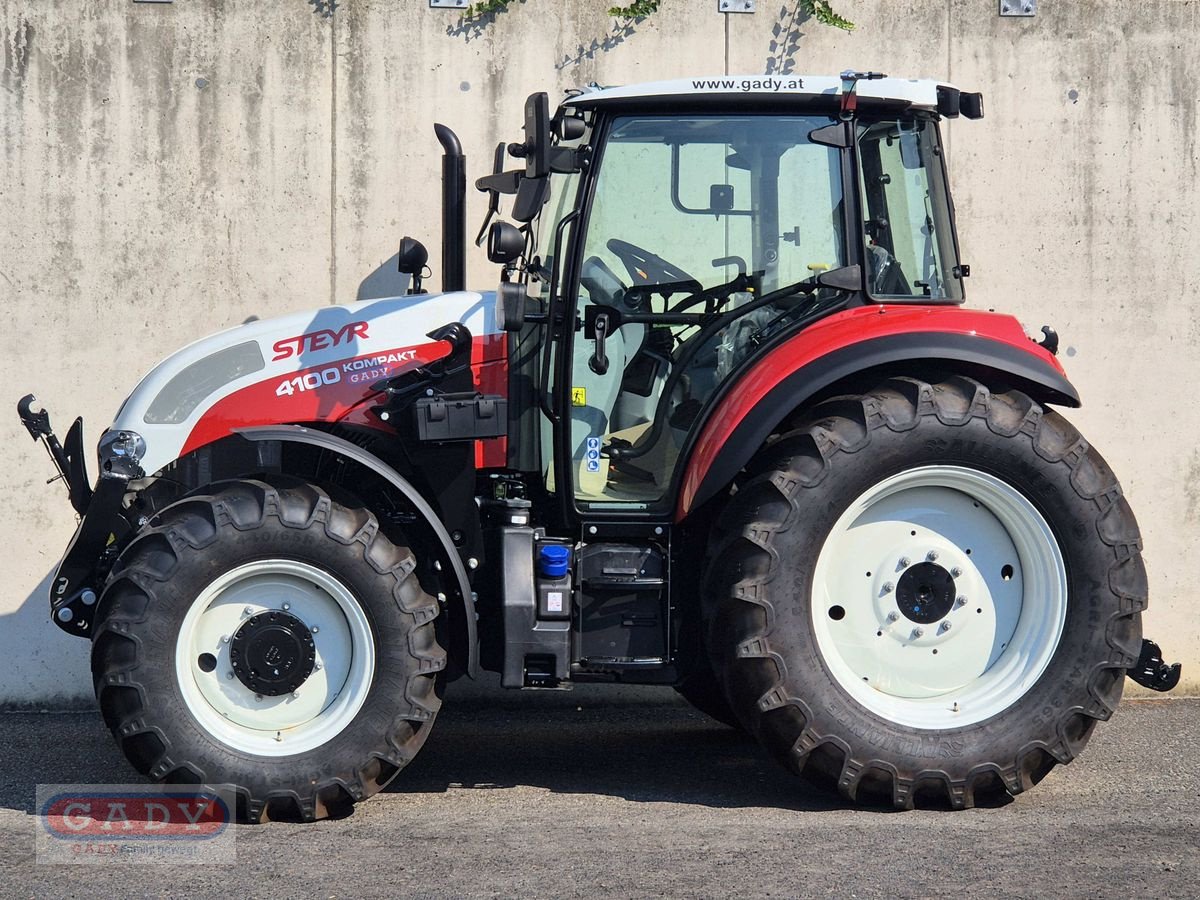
(907, 226)
(707, 197)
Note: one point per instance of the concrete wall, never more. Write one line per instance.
(171, 169)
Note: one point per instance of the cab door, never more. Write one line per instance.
(691, 219)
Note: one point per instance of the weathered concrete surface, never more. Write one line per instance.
(593, 795)
(171, 169)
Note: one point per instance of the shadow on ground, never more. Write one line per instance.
(642, 745)
(638, 745)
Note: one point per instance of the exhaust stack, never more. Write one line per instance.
(454, 210)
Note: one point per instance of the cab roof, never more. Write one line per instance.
(913, 92)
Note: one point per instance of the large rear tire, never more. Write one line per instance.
(271, 639)
(702, 690)
(928, 593)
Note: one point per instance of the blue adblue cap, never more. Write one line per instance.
(553, 560)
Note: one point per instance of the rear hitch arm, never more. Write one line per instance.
(1151, 672)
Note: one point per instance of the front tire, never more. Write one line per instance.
(271, 639)
(928, 593)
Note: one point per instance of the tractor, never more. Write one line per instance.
(724, 426)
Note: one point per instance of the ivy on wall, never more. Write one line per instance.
(821, 10)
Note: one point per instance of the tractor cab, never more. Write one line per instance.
(669, 237)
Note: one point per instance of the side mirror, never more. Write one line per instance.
(536, 148)
(510, 305)
(537, 135)
(505, 243)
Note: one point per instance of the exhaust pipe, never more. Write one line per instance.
(454, 210)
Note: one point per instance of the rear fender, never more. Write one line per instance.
(847, 344)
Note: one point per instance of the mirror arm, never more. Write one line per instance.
(677, 202)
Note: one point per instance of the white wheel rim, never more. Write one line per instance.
(321, 707)
(1008, 607)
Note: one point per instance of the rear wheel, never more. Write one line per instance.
(271, 639)
(702, 690)
(928, 592)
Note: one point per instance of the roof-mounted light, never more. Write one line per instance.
(951, 103)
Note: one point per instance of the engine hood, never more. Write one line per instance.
(313, 366)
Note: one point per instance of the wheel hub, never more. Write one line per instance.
(938, 597)
(272, 653)
(925, 593)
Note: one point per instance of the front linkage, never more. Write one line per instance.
(78, 582)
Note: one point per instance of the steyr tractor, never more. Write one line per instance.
(725, 426)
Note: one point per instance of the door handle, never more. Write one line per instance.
(599, 361)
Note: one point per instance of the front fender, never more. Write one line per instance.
(784, 378)
(449, 555)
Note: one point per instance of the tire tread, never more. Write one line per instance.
(745, 563)
(195, 523)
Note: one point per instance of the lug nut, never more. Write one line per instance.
(893, 616)
(315, 629)
(229, 675)
(295, 695)
(248, 611)
(956, 571)
(917, 632)
(888, 587)
(931, 555)
(905, 562)
(286, 607)
(944, 627)
(224, 639)
(258, 697)
(961, 601)
(316, 667)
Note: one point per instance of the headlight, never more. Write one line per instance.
(121, 451)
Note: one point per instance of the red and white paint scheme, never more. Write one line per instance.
(836, 332)
(305, 368)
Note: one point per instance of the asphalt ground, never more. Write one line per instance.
(607, 792)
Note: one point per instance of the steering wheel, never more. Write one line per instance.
(646, 268)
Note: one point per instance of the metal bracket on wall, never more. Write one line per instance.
(736, 6)
(1018, 7)
(447, 4)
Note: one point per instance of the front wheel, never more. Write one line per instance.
(929, 592)
(271, 639)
